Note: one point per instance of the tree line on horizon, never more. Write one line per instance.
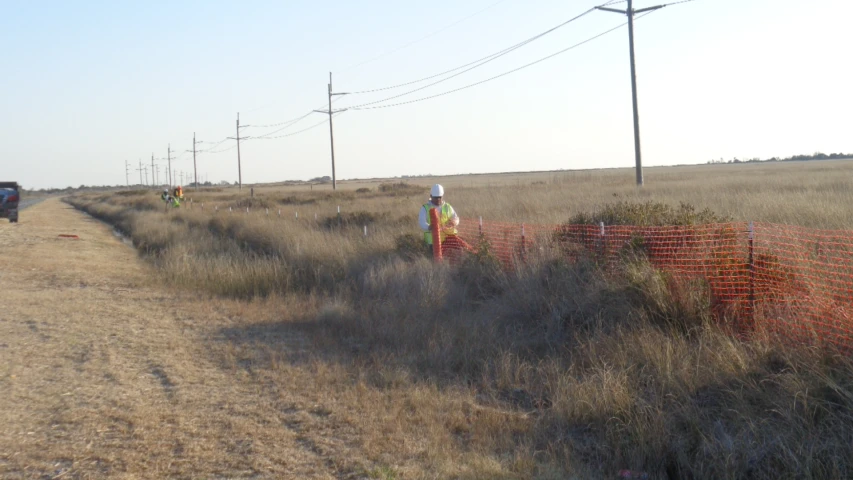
(794, 158)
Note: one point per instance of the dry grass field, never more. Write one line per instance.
(551, 370)
(811, 194)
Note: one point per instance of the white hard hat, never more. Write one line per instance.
(437, 191)
(165, 190)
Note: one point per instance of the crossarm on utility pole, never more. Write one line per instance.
(648, 9)
(623, 12)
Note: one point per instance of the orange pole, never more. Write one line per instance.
(435, 228)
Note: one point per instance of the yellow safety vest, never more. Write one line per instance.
(443, 217)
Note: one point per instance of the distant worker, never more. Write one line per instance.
(447, 218)
(165, 195)
(179, 193)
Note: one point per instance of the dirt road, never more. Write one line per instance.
(106, 373)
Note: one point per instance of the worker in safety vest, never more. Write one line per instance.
(446, 215)
(179, 193)
(165, 195)
(451, 243)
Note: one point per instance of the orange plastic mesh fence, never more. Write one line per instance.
(793, 281)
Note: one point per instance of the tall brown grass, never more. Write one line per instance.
(554, 369)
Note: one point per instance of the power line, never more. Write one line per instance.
(613, 2)
(214, 146)
(477, 63)
(223, 150)
(335, 115)
(289, 123)
(275, 124)
(422, 38)
(367, 106)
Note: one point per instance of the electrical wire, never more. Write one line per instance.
(367, 107)
(676, 3)
(422, 38)
(334, 115)
(272, 125)
(223, 150)
(477, 63)
(613, 2)
(294, 121)
(288, 124)
(246, 139)
(213, 147)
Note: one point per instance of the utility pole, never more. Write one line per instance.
(331, 112)
(630, 12)
(195, 169)
(140, 172)
(153, 176)
(145, 169)
(127, 172)
(169, 159)
(239, 168)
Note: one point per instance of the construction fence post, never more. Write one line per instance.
(603, 240)
(435, 228)
(751, 266)
(523, 245)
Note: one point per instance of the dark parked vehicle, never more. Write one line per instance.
(10, 195)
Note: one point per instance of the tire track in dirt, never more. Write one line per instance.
(104, 372)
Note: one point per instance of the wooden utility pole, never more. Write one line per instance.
(331, 113)
(239, 168)
(630, 12)
(169, 158)
(332, 136)
(195, 170)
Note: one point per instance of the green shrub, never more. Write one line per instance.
(401, 189)
(132, 193)
(291, 200)
(253, 203)
(647, 214)
(410, 245)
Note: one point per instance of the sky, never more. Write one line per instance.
(89, 86)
